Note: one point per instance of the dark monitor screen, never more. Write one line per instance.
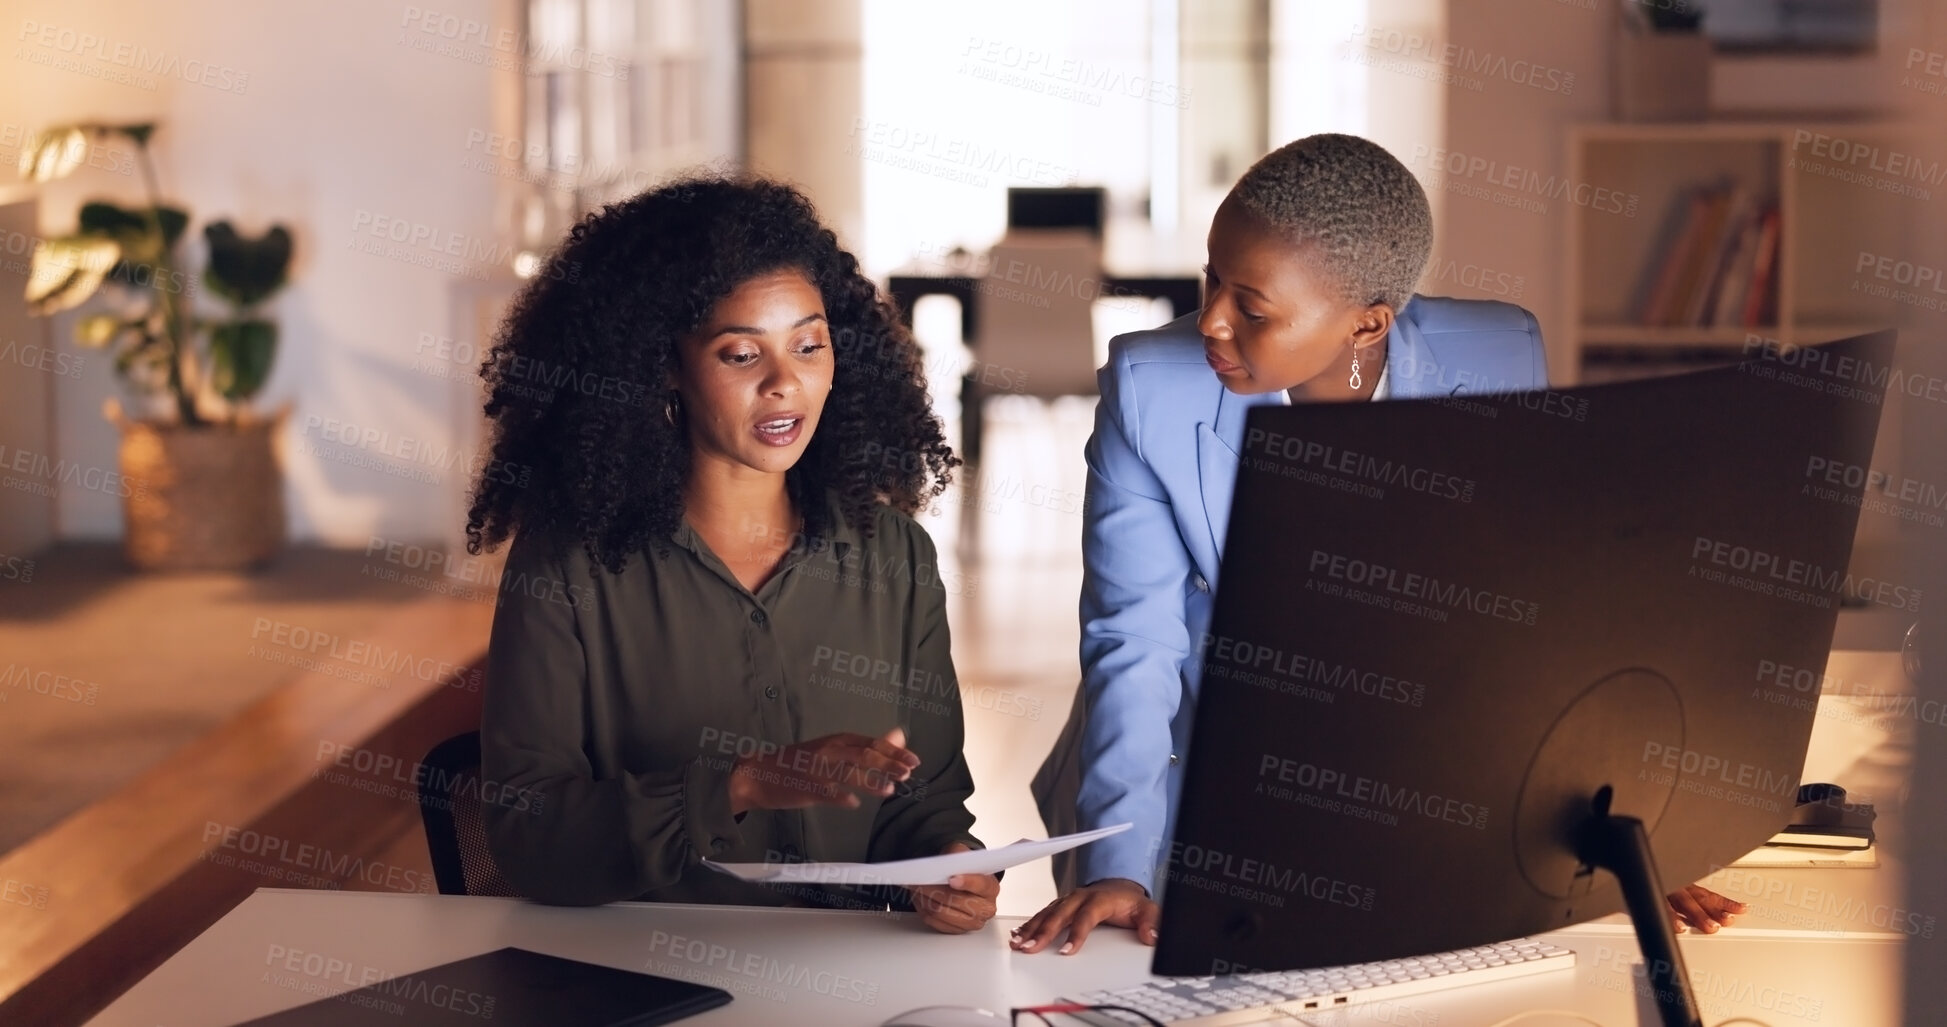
(1064, 207)
(1445, 630)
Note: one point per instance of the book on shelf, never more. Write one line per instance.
(1761, 303)
(1714, 266)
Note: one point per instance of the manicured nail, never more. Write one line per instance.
(1068, 948)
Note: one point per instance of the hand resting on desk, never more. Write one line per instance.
(1123, 903)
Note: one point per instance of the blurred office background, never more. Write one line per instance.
(1028, 177)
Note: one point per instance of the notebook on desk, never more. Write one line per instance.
(511, 987)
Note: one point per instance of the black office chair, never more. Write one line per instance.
(449, 802)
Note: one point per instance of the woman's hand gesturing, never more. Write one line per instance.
(827, 771)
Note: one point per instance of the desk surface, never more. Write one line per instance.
(282, 948)
(1821, 946)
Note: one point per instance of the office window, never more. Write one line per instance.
(963, 100)
(617, 94)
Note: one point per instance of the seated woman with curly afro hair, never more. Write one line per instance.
(720, 634)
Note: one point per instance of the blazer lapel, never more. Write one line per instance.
(1218, 446)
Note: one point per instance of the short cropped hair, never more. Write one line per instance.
(1355, 208)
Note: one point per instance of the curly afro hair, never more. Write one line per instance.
(578, 376)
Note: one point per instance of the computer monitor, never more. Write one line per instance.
(1061, 207)
(1465, 650)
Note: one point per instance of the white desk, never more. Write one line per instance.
(282, 948)
(1834, 963)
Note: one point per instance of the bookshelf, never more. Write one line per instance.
(1635, 307)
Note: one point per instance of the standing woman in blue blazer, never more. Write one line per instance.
(1308, 297)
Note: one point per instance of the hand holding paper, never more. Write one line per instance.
(927, 870)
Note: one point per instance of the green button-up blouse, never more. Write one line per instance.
(616, 706)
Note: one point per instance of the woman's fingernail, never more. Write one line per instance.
(1066, 949)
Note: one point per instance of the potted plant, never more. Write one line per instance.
(206, 488)
(1662, 61)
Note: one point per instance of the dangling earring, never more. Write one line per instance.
(1356, 380)
(672, 408)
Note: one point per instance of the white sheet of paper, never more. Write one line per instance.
(927, 870)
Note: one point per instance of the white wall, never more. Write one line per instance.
(336, 116)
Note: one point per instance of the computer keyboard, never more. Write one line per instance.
(1278, 997)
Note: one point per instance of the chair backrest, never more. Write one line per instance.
(449, 803)
(1036, 311)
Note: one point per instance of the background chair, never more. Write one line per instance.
(449, 803)
(1036, 305)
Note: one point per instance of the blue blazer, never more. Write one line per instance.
(1162, 463)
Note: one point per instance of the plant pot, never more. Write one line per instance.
(1662, 76)
(204, 498)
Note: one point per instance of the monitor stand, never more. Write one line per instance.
(1620, 845)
